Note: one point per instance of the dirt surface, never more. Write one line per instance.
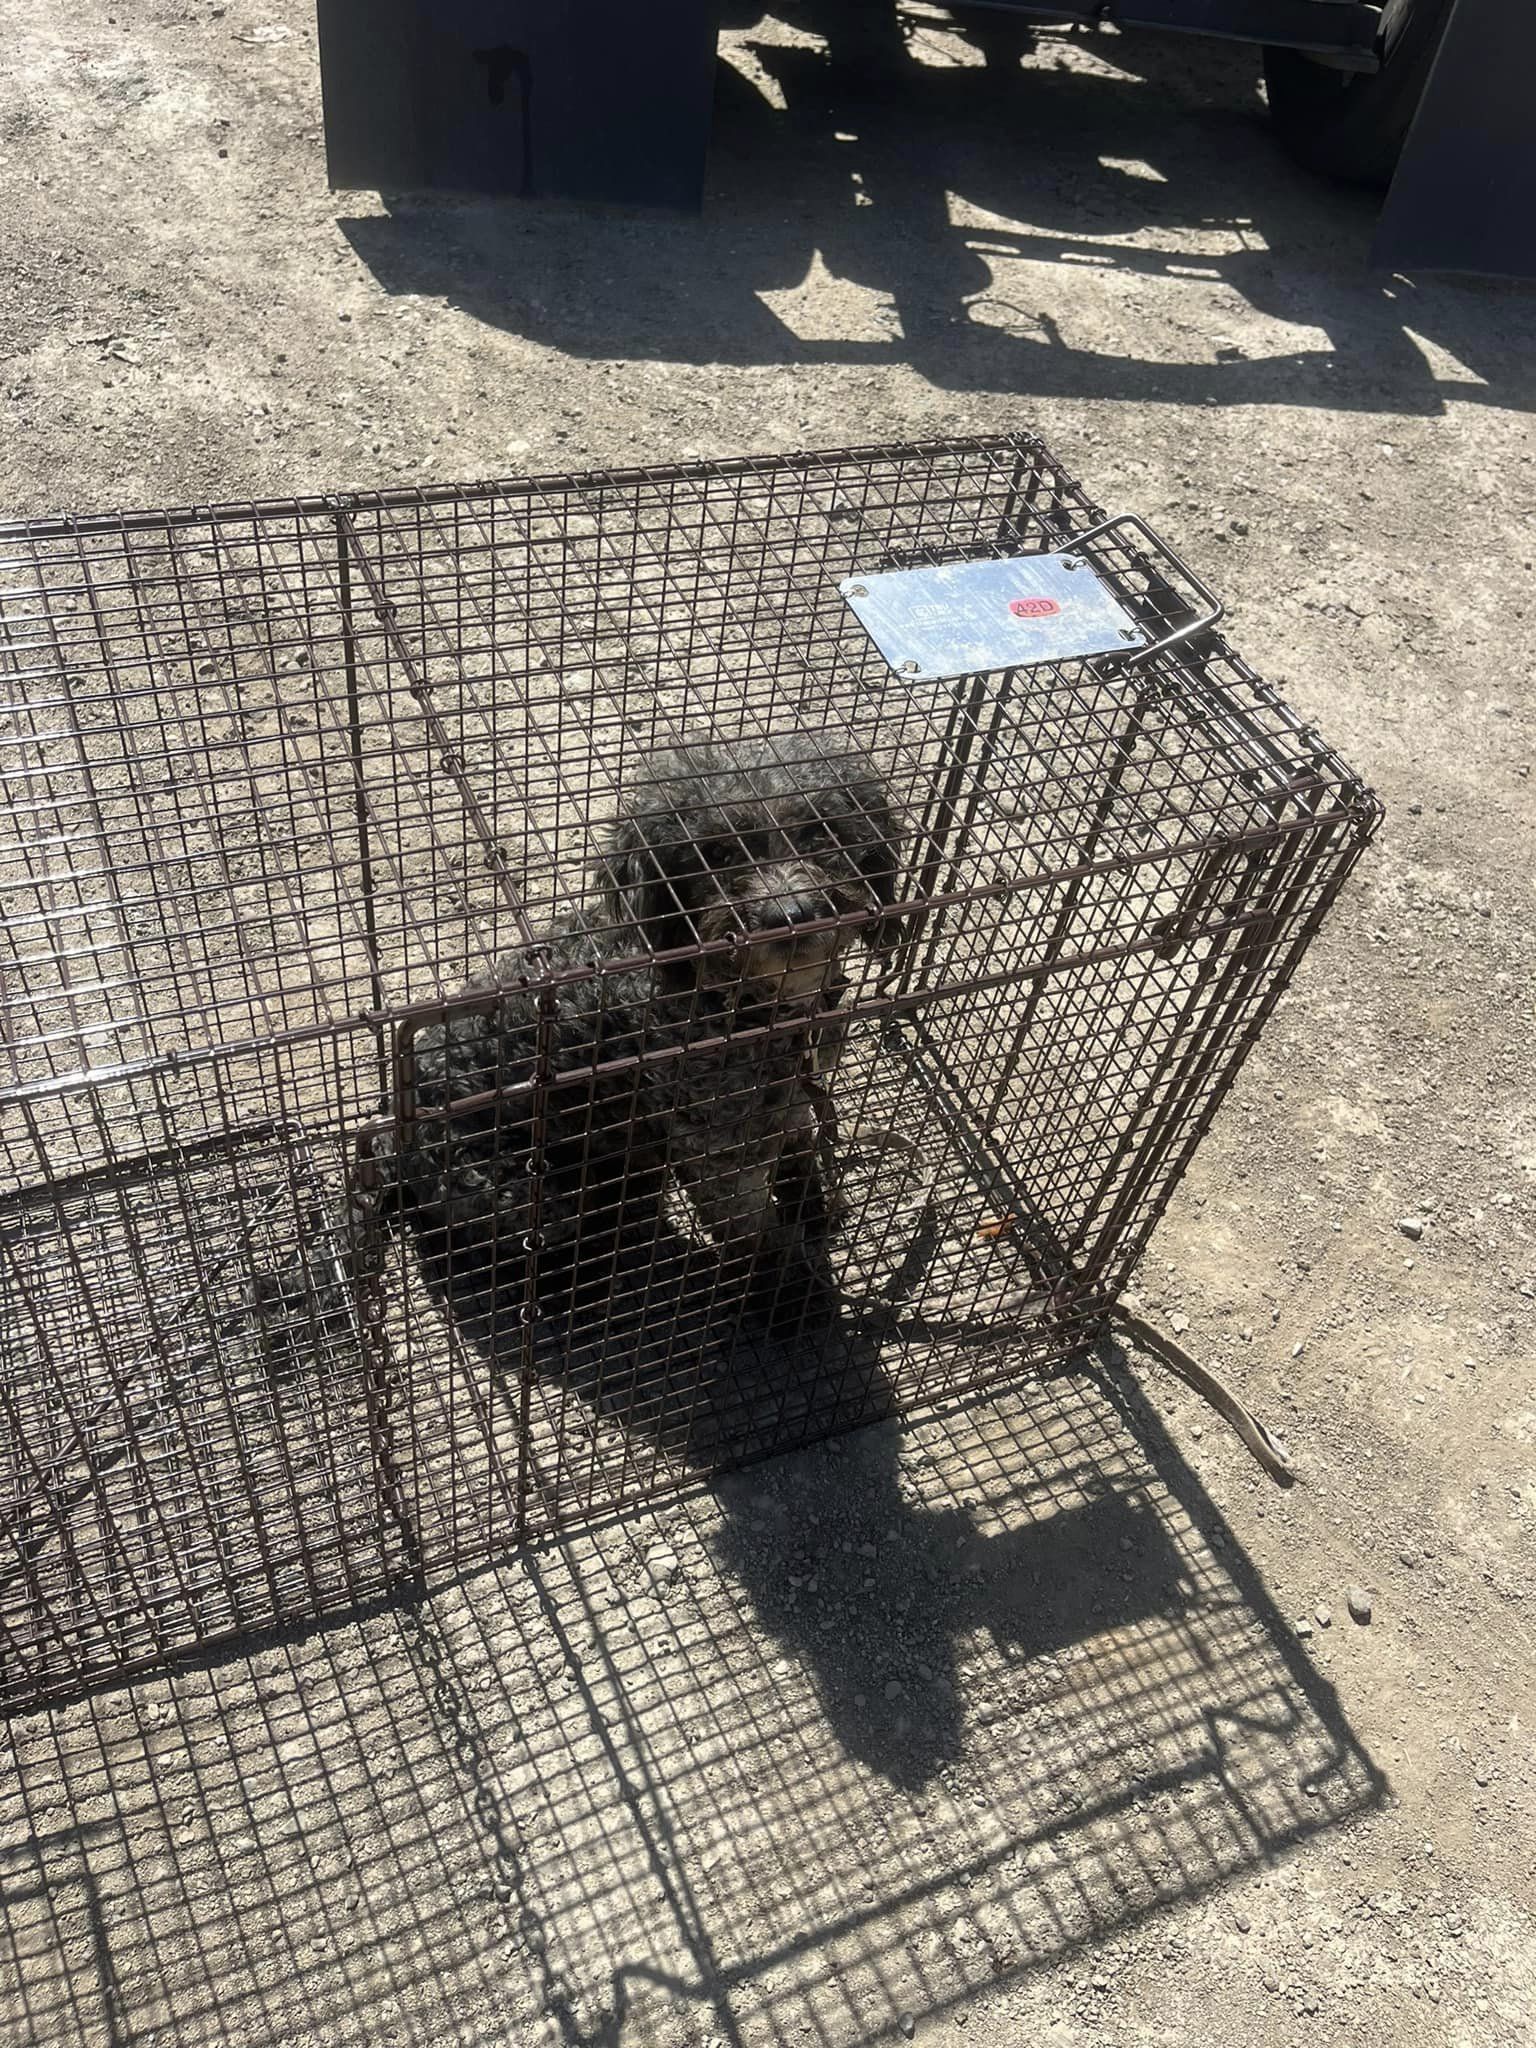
(1025, 1720)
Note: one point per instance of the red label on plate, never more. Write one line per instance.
(1034, 607)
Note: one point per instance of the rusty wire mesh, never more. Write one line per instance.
(609, 1793)
(281, 779)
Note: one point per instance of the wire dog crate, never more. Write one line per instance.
(284, 781)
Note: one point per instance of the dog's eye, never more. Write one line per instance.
(722, 853)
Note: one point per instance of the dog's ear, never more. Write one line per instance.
(628, 878)
(872, 836)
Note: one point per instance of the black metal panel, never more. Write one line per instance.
(591, 100)
(1464, 197)
(367, 81)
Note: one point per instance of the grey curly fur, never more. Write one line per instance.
(654, 1066)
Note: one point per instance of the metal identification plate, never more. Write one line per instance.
(964, 618)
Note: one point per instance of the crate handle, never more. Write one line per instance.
(1214, 610)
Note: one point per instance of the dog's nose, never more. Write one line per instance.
(808, 909)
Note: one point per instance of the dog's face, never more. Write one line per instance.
(758, 845)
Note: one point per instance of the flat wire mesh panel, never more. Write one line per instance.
(510, 1002)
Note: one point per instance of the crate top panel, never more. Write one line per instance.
(269, 769)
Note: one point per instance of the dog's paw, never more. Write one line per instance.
(298, 1309)
(274, 1294)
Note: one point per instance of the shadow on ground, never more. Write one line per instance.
(849, 1737)
(875, 200)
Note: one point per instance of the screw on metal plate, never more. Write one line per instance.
(1129, 633)
(911, 667)
(857, 590)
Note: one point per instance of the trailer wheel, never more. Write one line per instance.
(1351, 124)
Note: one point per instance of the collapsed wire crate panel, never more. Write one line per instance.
(281, 781)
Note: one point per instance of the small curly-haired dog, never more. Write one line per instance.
(672, 1029)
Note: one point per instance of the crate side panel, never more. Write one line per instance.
(169, 1474)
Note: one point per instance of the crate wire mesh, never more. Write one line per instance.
(282, 779)
(1093, 1745)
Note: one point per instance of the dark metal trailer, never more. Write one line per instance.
(610, 101)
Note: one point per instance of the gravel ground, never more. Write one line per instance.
(1048, 1718)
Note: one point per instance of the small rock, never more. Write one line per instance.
(1482, 1774)
(1178, 1324)
(1241, 1922)
(1271, 1981)
(1324, 1615)
(893, 1689)
(908, 2026)
(1411, 1227)
(1304, 1627)
(1360, 1607)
